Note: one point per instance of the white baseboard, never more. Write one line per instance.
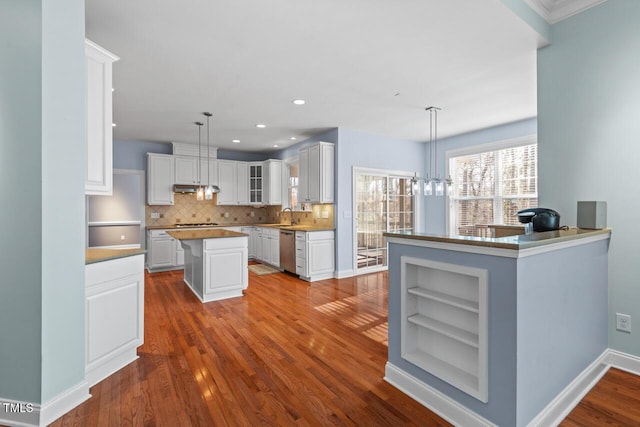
(431, 398)
(96, 372)
(63, 403)
(343, 274)
(24, 414)
(571, 395)
(625, 362)
(551, 415)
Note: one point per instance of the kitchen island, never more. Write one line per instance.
(215, 262)
(490, 331)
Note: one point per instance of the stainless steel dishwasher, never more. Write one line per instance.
(288, 251)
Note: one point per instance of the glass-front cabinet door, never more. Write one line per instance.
(255, 183)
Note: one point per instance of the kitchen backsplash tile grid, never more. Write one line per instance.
(186, 209)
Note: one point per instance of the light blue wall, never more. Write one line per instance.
(20, 169)
(360, 149)
(63, 199)
(42, 152)
(588, 127)
(133, 154)
(435, 212)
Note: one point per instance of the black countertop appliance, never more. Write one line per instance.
(542, 219)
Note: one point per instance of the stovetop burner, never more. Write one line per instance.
(196, 224)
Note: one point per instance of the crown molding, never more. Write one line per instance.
(554, 11)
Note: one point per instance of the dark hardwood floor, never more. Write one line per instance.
(288, 353)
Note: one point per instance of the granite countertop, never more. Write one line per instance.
(521, 241)
(298, 227)
(93, 255)
(203, 234)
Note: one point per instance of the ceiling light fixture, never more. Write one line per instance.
(299, 101)
(435, 185)
(261, 126)
(235, 141)
(113, 125)
(208, 192)
(200, 191)
(293, 138)
(275, 145)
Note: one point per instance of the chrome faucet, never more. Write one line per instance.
(290, 213)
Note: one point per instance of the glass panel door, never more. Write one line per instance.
(383, 203)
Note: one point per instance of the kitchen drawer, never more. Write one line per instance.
(301, 236)
(301, 266)
(320, 235)
(158, 233)
(301, 250)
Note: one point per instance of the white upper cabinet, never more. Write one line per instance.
(160, 179)
(233, 183)
(316, 173)
(99, 119)
(265, 182)
(186, 169)
(273, 182)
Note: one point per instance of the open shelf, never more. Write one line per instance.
(454, 301)
(444, 327)
(457, 334)
(444, 370)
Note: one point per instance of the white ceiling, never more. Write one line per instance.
(369, 65)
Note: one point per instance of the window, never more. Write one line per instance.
(293, 185)
(491, 186)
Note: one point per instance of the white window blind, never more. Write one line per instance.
(490, 187)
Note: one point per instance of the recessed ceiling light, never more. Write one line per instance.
(235, 141)
(113, 125)
(260, 125)
(299, 101)
(275, 145)
(293, 138)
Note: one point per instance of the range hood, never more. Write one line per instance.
(191, 188)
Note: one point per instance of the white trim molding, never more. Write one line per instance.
(554, 11)
(431, 398)
(556, 411)
(26, 414)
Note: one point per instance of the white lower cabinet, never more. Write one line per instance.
(114, 314)
(225, 268)
(251, 233)
(268, 245)
(444, 322)
(315, 255)
(163, 251)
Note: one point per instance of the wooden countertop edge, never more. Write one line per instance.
(203, 234)
(514, 243)
(276, 226)
(94, 255)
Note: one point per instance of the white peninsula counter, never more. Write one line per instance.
(215, 262)
(490, 331)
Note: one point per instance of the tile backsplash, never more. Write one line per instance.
(186, 209)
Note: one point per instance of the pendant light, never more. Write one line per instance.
(208, 192)
(435, 185)
(200, 192)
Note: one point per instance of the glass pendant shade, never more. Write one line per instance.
(439, 188)
(428, 187)
(208, 192)
(200, 193)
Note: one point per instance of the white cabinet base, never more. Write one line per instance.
(114, 315)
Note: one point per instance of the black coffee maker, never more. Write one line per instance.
(539, 219)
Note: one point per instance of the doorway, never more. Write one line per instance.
(383, 202)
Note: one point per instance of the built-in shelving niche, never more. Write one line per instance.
(444, 322)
